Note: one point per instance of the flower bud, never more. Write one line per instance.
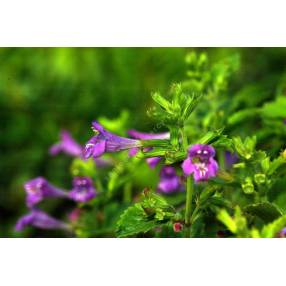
(259, 179)
(248, 187)
(177, 227)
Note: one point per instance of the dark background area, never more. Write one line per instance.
(43, 90)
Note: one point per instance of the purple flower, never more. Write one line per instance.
(148, 136)
(105, 141)
(40, 219)
(169, 181)
(200, 162)
(39, 188)
(83, 190)
(230, 159)
(69, 146)
(66, 145)
(153, 161)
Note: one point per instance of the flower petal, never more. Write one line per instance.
(99, 148)
(188, 167)
(153, 161)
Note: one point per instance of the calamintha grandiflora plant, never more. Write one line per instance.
(198, 173)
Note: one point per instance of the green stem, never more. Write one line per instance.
(127, 193)
(189, 191)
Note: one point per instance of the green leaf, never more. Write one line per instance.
(227, 220)
(266, 211)
(134, 220)
(155, 201)
(265, 164)
(152, 211)
(209, 136)
(275, 109)
(190, 103)
(246, 148)
(243, 115)
(275, 164)
(223, 142)
(164, 103)
(236, 224)
(271, 230)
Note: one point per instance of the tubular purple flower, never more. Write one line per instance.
(105, 141)
(153, 161)
(40, 219)
(148, 136)
(70, 147)
(169, 181)
(83, 190)
(200, 162)
(39, 188)
(66, 145)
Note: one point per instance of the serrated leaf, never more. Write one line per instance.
(152, 211)
(266, 211)
(133, 221)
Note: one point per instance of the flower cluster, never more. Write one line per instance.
(39, 189)
(200, 163)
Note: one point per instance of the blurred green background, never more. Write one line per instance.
(43, 90)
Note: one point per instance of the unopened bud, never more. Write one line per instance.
(177, 227)
(259, 179)
(248, 187)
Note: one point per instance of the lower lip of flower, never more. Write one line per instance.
(32, 190)
(202, 168)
